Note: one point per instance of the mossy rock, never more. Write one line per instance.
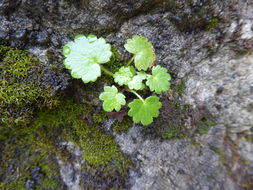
(25, 164)
(21, 86)
(179, 120)
(100, 151)
(37, 146)
(123, 126)
(214, 22)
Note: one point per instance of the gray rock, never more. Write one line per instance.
(175, 164)
(215, 60)
(219, 77)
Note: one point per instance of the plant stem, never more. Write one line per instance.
(137, 95)
(130, 61)
(106, 71)
(111, 74)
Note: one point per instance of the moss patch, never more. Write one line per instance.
(25, 164)
(204, 124)
(214, 22)
(179, 89)
(119, 127)
(21, 85)
(37, 146)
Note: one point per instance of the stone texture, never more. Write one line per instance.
(176, 164)
(217, 64)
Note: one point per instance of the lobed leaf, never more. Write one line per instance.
(159, 81)
(124, 75)
(112, 99)
(137, 82)
(145, 111)
(144, 54)
(83, 56)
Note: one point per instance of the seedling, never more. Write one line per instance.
(85, 57)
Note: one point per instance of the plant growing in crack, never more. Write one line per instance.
(85, 57)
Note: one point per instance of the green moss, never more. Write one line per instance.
(36, 146)
(99, 149)
(248, 135)
(20, 85)
(213, 24)
(173, 121)
(100, 117)
(18, 153)
(221, 154)
(119, 127)
(47, 184)
(204, 124)
(172, 132)
(179, 89)
(249, 138)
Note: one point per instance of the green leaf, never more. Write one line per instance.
(136, 83)
(159, 80)
(145, 111)
(112, 99)
(124, 75)
(83, 56)
(144, 54)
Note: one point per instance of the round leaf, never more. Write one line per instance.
(145, 111)
(144, 54)
(112, 99)
(83, 56)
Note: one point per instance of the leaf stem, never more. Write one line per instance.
(134, 92)
(130, 61)
(106, 71)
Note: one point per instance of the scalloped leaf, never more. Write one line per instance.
(144, 54)
(112, 99)
(145, 111)
(83, 56)
(159, 81)
(137, 82)
(124, 75)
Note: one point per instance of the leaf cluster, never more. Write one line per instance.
(85, 55)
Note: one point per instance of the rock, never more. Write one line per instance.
(71, 172)
(175, 164)
(207, 44)
(226, 93)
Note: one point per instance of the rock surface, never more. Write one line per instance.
(206, 43)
